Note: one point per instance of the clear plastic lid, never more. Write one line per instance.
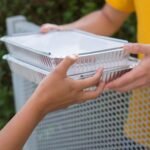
(63, 43)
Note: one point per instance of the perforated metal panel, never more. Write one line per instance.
(98, 124)
(113, 121)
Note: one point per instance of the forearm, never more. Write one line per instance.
(14, 135)
(104, 22)
(95, 22)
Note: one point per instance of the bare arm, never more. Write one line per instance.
(104, 22)
(14, 135)
(49, 96)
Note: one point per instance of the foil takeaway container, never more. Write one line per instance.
(46, 51)
(35, 74)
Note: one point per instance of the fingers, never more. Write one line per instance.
(137, 48)
(126, 79)
(141, 82)
(89, 82)
(63, 67)
(87, 95)
(136, 77)
(48, 27)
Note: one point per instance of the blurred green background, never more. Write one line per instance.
(39, 12)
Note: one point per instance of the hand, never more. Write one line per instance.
(58, 91)
(49, 27)
(139, 76)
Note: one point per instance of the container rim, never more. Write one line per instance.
(130, 65)
(48, 54)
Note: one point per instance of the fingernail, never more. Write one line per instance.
(128, 46)
(106, 88)
(74, 56)
(99, 70)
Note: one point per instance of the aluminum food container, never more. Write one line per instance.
(46, 51)
(36, 74)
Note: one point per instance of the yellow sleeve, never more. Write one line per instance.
(122, 5)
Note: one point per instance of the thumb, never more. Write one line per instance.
(66, 63)
(136, 48)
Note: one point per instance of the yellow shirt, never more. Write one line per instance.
(137, 126)
(142, 9)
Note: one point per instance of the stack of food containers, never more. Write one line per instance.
(33, 56)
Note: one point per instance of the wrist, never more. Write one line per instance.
(37, 107)
(41, 104)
